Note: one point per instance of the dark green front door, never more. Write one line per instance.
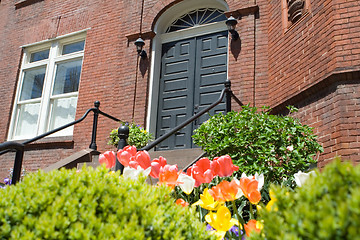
(193, 72)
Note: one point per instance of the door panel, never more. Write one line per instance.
(175, 93)
(211, 73)
(193, 72)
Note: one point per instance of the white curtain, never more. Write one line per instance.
(63, 112)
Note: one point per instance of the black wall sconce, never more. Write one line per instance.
(231, 24)
(139, 43)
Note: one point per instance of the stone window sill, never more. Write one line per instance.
(50, 143)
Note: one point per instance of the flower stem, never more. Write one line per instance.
(187, 198)
(200, 213)
(251, 212)
(241, 221)
(176, 197)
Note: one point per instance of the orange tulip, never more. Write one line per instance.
(182, 202)
(252, 225)
(225, 191)
(108, 158)
(249, 187)
(168, 175)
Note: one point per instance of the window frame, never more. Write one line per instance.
(55, 57)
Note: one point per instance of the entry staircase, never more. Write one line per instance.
(184, 158)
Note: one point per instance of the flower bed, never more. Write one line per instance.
(227, 206)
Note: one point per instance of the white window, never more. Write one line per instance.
(48, 86)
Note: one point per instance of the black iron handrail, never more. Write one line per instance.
(19, 147)
(225, 92)
(122, 133)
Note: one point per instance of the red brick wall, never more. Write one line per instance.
(108, 72)
(268, 66)
(335, 115)
(319, 54)
(347, 34)
(302, 55)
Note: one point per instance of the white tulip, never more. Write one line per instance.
(135, 173)
(187, 183)
(301, 177)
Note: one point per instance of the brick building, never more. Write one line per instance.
(59, 57)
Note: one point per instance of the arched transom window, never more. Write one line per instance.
(197, 17)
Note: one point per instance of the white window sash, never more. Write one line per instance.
(46, 100)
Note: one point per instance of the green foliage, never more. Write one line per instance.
(93, 204)
(327, 206)
(138, 136)
(277, 146)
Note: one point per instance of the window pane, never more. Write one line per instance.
(32, 84)
(73, 47)
(63, 112)
(27, 120)
(37, 56)
(67, 77)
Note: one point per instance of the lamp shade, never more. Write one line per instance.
(231, 23)
(139, 43)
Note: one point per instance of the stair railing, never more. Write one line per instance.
(123, 131)
(19, 147)
(226, 92)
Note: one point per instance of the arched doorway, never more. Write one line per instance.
(188, 69)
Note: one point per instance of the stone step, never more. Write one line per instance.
(72, 161)
(181, 157)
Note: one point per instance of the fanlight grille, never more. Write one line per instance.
(197, 17)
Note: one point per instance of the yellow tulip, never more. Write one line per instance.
(221, 221)
(206, 201)
(272, 201)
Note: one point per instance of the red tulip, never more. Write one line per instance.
(143, 159)
(134, 164)
(223, 166)
(124, 155)
(156, 164)
(201, 172)
(108, 158)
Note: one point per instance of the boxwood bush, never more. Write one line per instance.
(327, 206)
(277, 146)
(138, 136)
(93, 204)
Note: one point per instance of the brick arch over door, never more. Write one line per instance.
(154, 11)
(187, 71)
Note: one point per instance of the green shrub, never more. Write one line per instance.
(93, 204)
(327, 206)
(138, 136)
(277, 146)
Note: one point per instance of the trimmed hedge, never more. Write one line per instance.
(93, 204)
(277, 146)
(327, 206)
